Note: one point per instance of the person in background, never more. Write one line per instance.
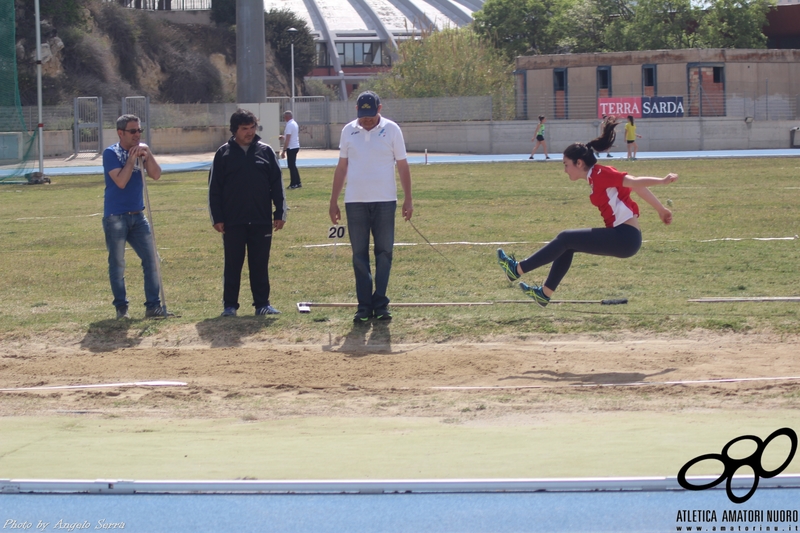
(609, 121)
(539, 138)
(124, 220)
(243, 184)
(291, 145)
(630, 137)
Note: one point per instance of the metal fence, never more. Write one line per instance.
(319, 111)
(167, 5)
(309, 110)
(737, 100)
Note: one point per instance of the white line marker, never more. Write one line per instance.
(629, 384)
(104, 385)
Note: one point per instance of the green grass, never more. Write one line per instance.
(55, 282)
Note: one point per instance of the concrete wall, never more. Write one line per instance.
(202, 17)
(163, 140)
(662, 135)
(511, 137)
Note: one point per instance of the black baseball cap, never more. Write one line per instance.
(367, 104)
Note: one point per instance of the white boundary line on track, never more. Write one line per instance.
(468, 243)
(103, 385)
(629, 384)
(402, 486)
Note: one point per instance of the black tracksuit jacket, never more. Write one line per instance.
(242, 186)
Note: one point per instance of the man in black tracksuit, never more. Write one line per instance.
(243, 183)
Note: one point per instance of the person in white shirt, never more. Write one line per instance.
(291, 145)
(369, 149)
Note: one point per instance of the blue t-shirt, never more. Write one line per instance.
(118, 201)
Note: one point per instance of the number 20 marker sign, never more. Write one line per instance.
(336, 233)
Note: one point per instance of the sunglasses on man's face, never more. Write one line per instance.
(134, 131)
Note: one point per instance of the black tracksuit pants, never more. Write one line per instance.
(291, 163)
(256, 241)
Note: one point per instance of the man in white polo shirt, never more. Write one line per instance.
(291, 145)
(369, 149)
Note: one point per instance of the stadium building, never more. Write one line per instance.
(356, 39)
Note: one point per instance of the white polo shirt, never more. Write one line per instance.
(371, 157)
(294, 130)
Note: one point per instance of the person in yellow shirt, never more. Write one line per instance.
(630, 137)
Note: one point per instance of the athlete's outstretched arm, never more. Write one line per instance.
(645, 194)
(634, 182)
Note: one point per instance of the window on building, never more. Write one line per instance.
(322, 55)
(560, 79)
(603, 82)
(361, 54)
(648, 80)
(560, 90)
(706, 90)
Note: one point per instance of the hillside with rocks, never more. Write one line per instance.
(94, 48)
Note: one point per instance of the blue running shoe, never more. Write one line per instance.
(508, 264)
(267, 310)
(537, 293)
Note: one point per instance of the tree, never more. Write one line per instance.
(452, 62)
(735, 24)
(663, 25)
(276, 22)
(519, 27)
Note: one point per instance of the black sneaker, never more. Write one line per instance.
(509, 265)
(537, 293)
(157, 312)
(383, 314)
(122, 312)
(362, 317)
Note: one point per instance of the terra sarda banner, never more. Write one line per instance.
(641, 106)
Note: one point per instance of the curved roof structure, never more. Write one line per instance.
(364, 22)
(399, 18)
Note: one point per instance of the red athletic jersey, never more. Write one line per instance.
(611, 198)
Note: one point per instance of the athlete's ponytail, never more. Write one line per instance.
(585, 152)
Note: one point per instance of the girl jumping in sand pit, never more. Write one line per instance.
(621, 236)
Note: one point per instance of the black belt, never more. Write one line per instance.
(126, 213)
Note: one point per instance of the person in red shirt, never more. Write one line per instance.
(611, 194)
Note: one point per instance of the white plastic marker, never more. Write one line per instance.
(336, 232)
(140, 164)
(305, 307)
(744, 299)
(103, 385)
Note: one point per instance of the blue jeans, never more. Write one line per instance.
(362, 219)
(135, 230)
